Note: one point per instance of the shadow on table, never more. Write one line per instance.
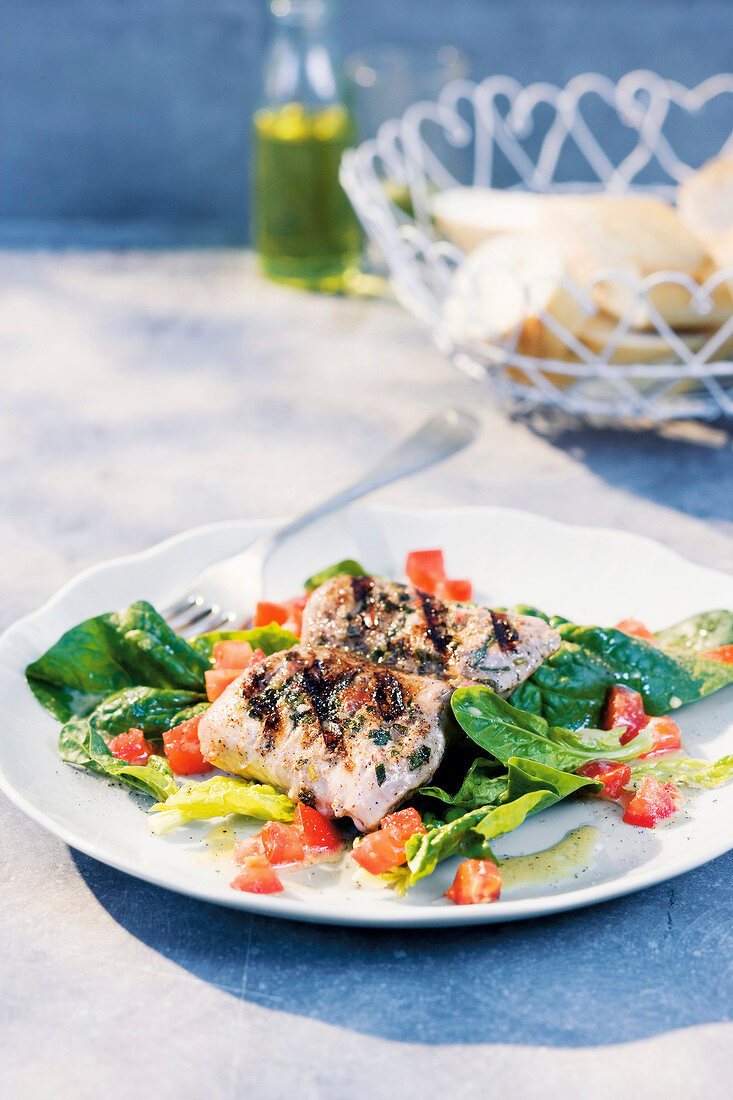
(624, 970)
(684, 466)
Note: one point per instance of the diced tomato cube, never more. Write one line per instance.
(266, 613)
(131, 746)
(635, 629)
(614, 777)
(477, 880)
(724, 653)
(403, 824)
(257, 877)
(257, 656)
(666, 737)
(624, 707)
(250, 846)
(294, 608)
(425, 569)
(454, 588)
(232, 655)
(218, 680)
(379, 852)
(282, 843)
(651, 803)
(318, 833)
(183, 750)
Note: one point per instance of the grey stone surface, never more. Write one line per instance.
(145, 393)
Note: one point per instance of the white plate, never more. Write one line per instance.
(589, 575)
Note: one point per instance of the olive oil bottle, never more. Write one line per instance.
(305, 231)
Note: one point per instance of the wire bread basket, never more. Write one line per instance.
(538, 138)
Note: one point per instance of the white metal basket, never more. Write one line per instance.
(530, 131)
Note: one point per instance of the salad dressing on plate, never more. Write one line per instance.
(552, 865)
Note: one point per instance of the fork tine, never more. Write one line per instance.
(201, 610)
(174, 610)
(214, 620)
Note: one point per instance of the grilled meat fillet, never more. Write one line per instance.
(340, 733)
(397, 625)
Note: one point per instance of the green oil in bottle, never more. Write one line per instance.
(306, 232)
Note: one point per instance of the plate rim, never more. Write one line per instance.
(429, 915)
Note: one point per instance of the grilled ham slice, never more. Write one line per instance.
(340, 733)
(397, 625)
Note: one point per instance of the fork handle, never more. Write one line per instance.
(441, 436)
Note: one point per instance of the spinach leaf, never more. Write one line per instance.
(108, 653)
(485, 783)
(708, 630)
(270, 639)
(81, 744)
(527, 775)
(153, 710)
(347, 567)
(504, 731)
(570, 687)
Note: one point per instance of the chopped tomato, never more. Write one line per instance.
(318, 833)
(379, 852)
(425, 569)
(282, 843)
(266, 613)
(635, 629)
(477, 880)
(232, 655)
(257, 877)
(724, 653)
(252, 846)
(455, 589)
(651, 803)
(614, 777)
(666, 737)
(218, 680)
(258, 655)
(382, 850)
(295, 608)
(183, 750)
(624, 707)
(131, 746)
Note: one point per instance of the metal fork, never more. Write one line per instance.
(226, 593)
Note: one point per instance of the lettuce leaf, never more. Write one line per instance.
(684, 771)
(270, 639)
(218, 797)
(504, 731)
(108, 653)
(481, 786)
(708, 630)
(570, 687)
(347, 567)
(81, 744)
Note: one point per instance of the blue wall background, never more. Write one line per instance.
(126, 121)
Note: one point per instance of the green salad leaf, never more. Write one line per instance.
(110, 652)
(708, 630)
(81, 744)
(484, 784)
(347, 567)
(504, 731)
(570, 687)
(684, 771)
(218, 797)
(270, 639)
(153, 710)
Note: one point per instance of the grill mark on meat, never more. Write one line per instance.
(388, 696)
(434, 612)
(318, 690)
(306, 795)
(362, 588)
(505, 634)
(262, 701)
